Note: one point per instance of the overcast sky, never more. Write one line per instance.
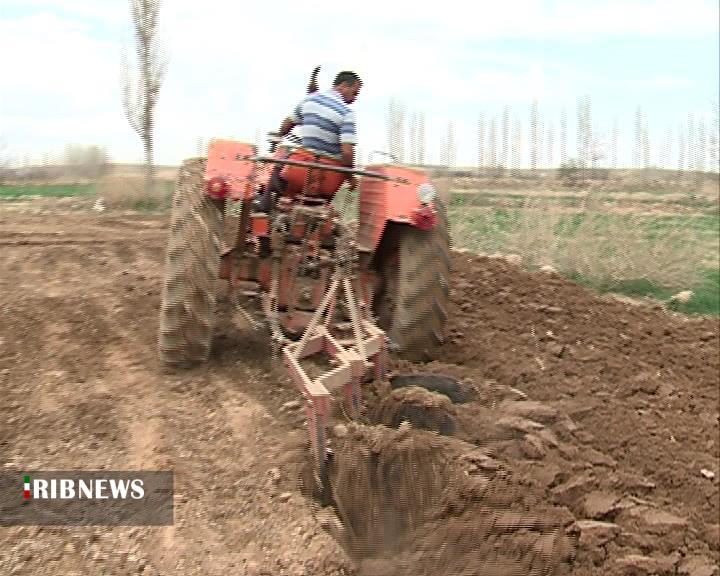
(236, 67)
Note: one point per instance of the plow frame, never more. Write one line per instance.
(352, 358)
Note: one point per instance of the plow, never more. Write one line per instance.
(335, 296)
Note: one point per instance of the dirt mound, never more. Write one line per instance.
(445, 385)
(421, 408)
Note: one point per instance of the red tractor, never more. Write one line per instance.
(351, 291)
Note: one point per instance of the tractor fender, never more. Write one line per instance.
(383, 203)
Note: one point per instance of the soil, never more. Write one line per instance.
(580, 449)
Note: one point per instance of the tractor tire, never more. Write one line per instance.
(415, 288)
(192, 266)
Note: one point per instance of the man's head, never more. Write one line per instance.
(348, 84)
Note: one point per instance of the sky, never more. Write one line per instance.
(237, 68)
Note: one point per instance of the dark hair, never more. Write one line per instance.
(346, 76)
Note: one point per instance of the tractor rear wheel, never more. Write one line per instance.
(192, 266)
(414, 266)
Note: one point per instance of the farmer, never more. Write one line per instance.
(328, 137)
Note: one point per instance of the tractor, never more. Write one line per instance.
(339, 293)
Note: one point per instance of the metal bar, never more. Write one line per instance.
(336, 377)
(311, 389)
(341, 169)
(357, 327)
(317, 317)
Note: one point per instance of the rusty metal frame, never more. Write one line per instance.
(368, 350)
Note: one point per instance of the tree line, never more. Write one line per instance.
(507, 141)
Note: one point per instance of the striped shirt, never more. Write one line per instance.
(327, 122)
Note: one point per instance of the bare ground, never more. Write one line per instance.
(580, 451)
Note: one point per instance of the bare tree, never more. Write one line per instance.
(534, 120)
(681, 148)
(201, 146)
(449, 148)
(563, 137)
(141, 87)
(580, 134)
(421, 139)
(492, 147)
(701, 146)
(516, 152)
(584, 131)
(413, 138)
(691, 142)
(614, 144)
(396, 130)
(550, 144)
(598, 153)
(5, 160)
(505, 136)
(664, 159)
(452, 146)
(637, 149)
(714, 141)
(589, 133)
(700, 152)
(481, 142)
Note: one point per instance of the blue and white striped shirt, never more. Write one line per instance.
(327, 122)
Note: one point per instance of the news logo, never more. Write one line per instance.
(86, 498)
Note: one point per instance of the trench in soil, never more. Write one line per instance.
(413, 501)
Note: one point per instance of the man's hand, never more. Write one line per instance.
(348, 155)
(287, 125)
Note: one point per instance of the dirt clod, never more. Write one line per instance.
(421, 408)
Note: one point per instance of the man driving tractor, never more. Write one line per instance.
(328, 137)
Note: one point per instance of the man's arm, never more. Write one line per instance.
(291, 121)
(348, 139)
(287, 125)
(348, 155)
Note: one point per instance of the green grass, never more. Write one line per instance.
(489, 229)
(495, 220)
(80, 190)
(46, 191)
(705, 299)
(489, 198)
(707, 224)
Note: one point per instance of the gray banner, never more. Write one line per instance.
(86, 498)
